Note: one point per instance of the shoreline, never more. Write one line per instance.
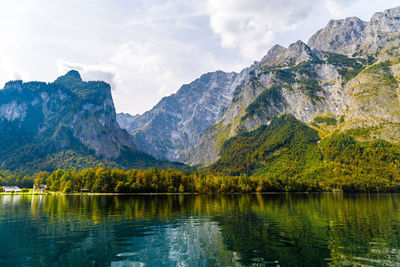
(190, 194)
(148, 194)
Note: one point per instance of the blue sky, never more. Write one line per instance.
(146, 49)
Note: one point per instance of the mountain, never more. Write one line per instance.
(345, 80)
(175, 124)
(68, 123)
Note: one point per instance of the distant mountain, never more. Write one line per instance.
(68, 123)
(175, 124)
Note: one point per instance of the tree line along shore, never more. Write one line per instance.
(106, 180)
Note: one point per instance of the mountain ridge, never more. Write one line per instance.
(327, 77)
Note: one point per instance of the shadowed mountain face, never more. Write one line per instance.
(67, 123)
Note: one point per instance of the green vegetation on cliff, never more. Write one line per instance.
(284, 144)
(264, 104)
(349, 67)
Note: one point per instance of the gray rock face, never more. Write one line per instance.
(172, 127)
(13, 111)
(385, 22)
(281, 56)
(127, 121)
(339, 36)
(352, 35)
(96, 127)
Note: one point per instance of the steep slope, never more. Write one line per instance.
(284, 145)
(174, 125)
(345, 79)
(67, 123)
(288, 155)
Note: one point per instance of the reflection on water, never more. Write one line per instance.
(202, 230)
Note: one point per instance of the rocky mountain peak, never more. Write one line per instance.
(273, 54)
(339, 36)
(352, 35)
(387, 21)
(71, 76)
(280, 56)
(299, 47)
(299, 51)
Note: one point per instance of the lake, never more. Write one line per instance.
(200, 230)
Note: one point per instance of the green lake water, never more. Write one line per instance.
(201, 230)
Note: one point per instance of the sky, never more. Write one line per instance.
(147, 49)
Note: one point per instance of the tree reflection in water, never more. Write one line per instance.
(200, 230)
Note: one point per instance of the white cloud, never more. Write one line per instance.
(145, 63)
(147, 74)
(251, 25)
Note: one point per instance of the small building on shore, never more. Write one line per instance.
(11, 188)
